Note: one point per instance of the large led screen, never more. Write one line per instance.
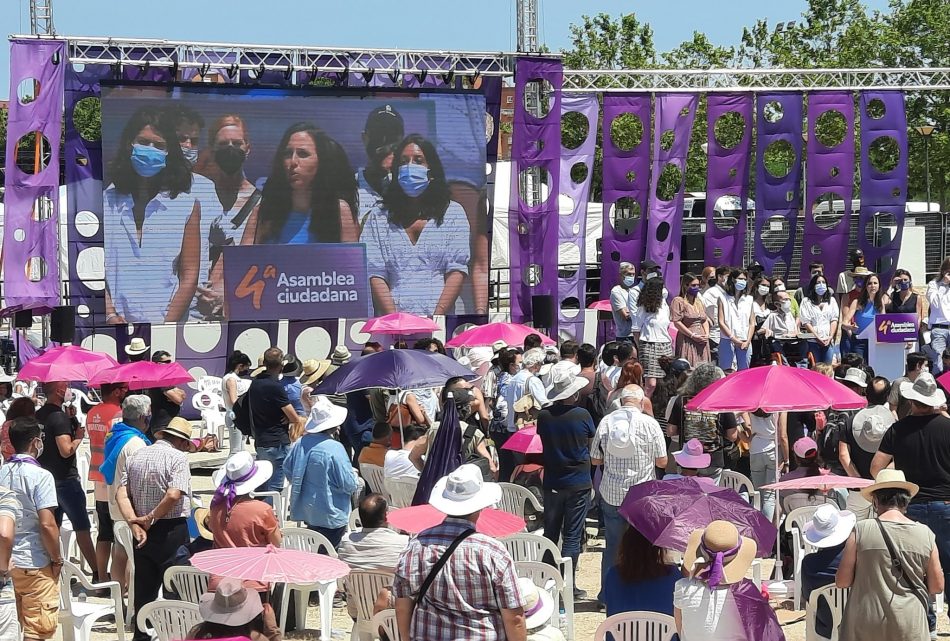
(257, 203)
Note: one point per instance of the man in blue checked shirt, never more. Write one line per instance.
(321, 476)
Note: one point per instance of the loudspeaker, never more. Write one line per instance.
(62, 324)
(23, 320)
(694, 247)
(542, 311)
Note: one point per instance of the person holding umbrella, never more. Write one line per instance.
(716, 561)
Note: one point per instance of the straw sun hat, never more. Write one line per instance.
(724, 556)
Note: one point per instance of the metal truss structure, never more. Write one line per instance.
(757, 80)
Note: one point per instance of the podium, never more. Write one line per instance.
(889, 337)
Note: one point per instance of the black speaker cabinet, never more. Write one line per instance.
(542, 311)
(62, 324)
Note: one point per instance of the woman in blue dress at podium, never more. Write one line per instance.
(859, 315)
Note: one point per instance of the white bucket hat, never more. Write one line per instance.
(869, 426)
(554, 373)
(243, 472)
(829, 527)
(924, 390)
(855, 376)
(136, 346)
(324, 415)
(538, 607)
(620, 433)
(463, 492)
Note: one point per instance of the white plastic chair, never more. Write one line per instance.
(374, 478)
(79, 617)
(795, 524)
(386, 619)
(123, 537)
(530, 547)
(299, 538)
(168, 620)
(836, 598)
(743, 485)
(364, 587)
(637, 626)
(354, 524)
(401, 491)
(547, 578)
(187, 582)
(514, 498)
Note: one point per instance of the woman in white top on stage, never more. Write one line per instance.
(417, 242)
(152, 225)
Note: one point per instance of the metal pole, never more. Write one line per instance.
(927, 168)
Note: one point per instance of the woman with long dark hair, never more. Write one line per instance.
(152, 224)
(688, 313)
(736, 323)
(818, 316)
(859, 314)
(653, 319)
(310, 194)
(903, 298)
(642, 579)
(417, 242)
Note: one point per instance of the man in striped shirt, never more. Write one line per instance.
(475, 596)
(630, 445)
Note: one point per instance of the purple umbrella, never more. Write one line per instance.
(667, 512)
(399, 369)
(445, 454)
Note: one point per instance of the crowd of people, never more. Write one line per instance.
(608, 419)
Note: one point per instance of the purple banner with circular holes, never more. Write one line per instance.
(883, 179)
(674, 115)
(31, 195)
(778, 177)
(577, 162)
(626, 183)
(727, 176)
(830, 182)
(533, 208)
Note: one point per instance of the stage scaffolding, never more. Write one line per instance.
(130, 52)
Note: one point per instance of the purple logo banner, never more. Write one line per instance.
(297, 282)
(896, 328)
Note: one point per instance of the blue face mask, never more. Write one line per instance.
(821, 289)
(148, 161)
(859, 282)
(414, 179)
(904, 285)
(740, 285)
(629, 281)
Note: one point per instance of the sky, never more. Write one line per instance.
(458, 25)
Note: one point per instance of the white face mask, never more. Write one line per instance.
(39, 448)
(786, 305)
(763, 290)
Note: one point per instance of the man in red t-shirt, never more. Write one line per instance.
(99, 421)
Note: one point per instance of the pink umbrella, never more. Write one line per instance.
(601, 305)
(143, 375)
(66, 363)
(400, 323)
(491, 522)
(510, 333)
(823, 482)
(270, 565)
(525, 441)
(775, 389)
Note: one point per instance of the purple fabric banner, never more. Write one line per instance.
(727, 175)
(674, 113)
(830, 173)
(30, 229)
(312, 339)
(533, 229)
(84, 199)
(572, 225)
(626, 175)
(301, 282)
(779, 128)
(883, 188)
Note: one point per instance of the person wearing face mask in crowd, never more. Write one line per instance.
(860, 315)
(715, 291)
(815, 267)
(648, 270)
(736, 323)
(903, 298)
(381, 133)
(818, 316)
(688, 314)
(619, 299)
(188, 126)
(846, 279)
(938, 317)
(152, 223)
(236, 200)
(778, 285)
(761, 310)
(418, 240)
(781, 328)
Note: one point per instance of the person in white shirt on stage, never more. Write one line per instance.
(938, 318)
(619, 299)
